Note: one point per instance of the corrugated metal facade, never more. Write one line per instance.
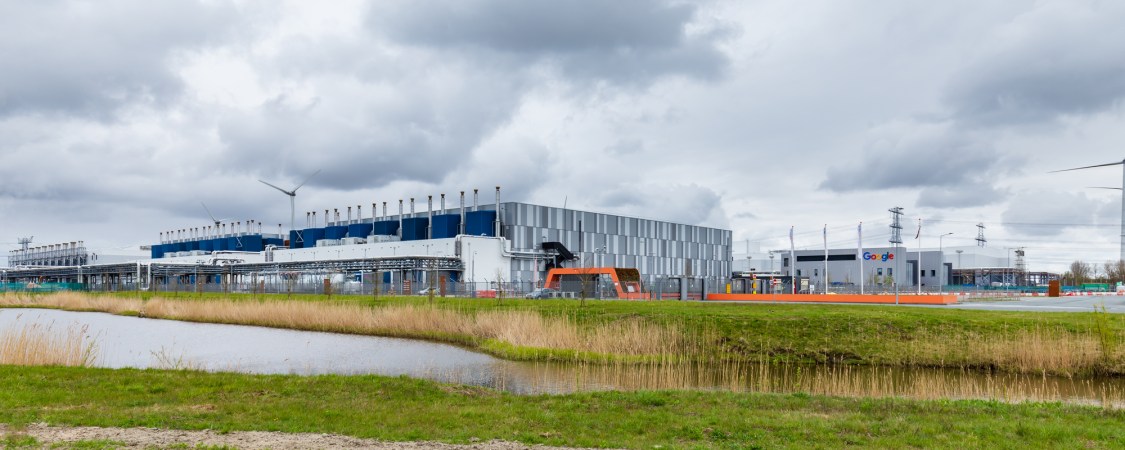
(655, 248)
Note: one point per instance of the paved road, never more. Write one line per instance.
(1113, 303)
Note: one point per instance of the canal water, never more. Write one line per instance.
(166, 344)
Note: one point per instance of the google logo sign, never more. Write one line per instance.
(868, 256)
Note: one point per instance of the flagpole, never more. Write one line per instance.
(918, 237)
(792, 262)
(825, 258)
(859, 256)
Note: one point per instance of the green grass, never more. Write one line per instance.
(18, 440)
(794, 333)
(864, 334)
(403, 409)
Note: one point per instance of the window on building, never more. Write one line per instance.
(798, 272)
(880, 271)
(933, 273)
(890, 271)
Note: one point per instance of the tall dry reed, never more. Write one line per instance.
(73, 301)
(41, 345)
(526, 329)
(520, 329)
(830, 380)
(1037, 350)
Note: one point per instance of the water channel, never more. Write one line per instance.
(122, 341)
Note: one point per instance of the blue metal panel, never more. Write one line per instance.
(157, 251)
(359, 230)
(233, 244)
(446, 226)
(311, 236)
(414, 228)
(220, 244)
(252, 243)
(207, 245)
(294, 239)
(385, 228)
(480, 223)
(336, 232)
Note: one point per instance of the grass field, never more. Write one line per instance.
(1074, 344)
(402, 409)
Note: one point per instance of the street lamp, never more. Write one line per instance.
(941, 255)
(598, 283)
(961, 268)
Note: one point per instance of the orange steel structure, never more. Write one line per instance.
(627, 282)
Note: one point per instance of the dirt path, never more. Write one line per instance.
(147, 438)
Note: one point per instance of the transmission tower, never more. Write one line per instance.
(25, 242)
(896, 239)
(980, 235)
(896, 225)
(1021, 267)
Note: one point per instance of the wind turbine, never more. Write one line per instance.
(292, 198)
(213, 219)
(1122, 188)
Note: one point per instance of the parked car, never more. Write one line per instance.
(542, 293)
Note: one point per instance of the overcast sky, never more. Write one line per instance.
(118, 117)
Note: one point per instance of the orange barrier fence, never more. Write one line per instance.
(842, 298)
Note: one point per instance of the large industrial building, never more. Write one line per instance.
(876, 268)
(501, 242)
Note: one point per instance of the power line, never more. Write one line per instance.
(1028, 224)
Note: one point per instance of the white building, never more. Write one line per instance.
(881, 267)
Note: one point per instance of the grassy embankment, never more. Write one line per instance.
(405, 409)
(622, 331)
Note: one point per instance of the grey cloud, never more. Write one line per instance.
(535, 26)
(420, 132)
(913, 162)
(960, 196)
(520, 167)
(691, 204)
(1044, 65)
(1046, 213)
(626, 41)
(91, 58)
(626, 147)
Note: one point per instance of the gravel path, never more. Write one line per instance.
(148, 438)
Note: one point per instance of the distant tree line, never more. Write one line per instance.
(1083, 272)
